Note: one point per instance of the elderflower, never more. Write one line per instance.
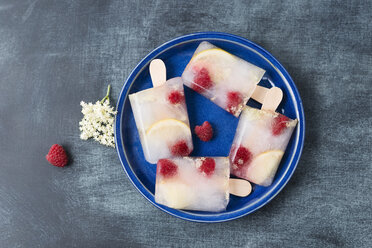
(98, 121)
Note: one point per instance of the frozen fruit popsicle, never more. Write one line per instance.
(225, 79)
(162, 121)
(259, 144)
(193, 183)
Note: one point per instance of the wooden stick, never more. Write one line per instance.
(259, 93)
(158, 72)
(239, 187)
(272, 99)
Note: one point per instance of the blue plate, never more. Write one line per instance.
(176, 54)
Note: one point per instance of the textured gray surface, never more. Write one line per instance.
(53, 54)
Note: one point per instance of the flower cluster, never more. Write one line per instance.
(98, 121)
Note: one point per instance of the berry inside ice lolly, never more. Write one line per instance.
(198, 183)
(162, 121)
(260, 141)
(225, 79)
(193, 183)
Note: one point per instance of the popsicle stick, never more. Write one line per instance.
(239, 187)
(272, 99)
(259, 93)
(158, 72)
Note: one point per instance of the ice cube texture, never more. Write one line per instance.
(193, 183)
(224, 78)
(259, 144)
(162, 121)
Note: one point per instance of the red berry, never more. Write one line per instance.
(202, 80)
(175, 97)
(234, 99)
(204, 132)
(208, 165)
(180, 149)
(167, 168)
(242, 157)
(57, 156)
(279, 124)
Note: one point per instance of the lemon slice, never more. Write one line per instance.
(217, 61)
(160, 135)
(166, 128)
(174, 195)
(264, 166)
(213, 54)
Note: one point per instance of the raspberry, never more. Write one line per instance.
(234, 99)
(167, 168)
(180, 149)
(204, 132)
(202, 81)
(208, 166)
(279, 124)
(242, 157)
(176, 97)
(57, 156)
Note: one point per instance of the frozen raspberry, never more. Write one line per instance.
(205, 131)
(202, 81)
(167, 168)
(279, 124)
(234, 99)
(57, 156)
(175, 97)
(242, 157)
(180, 149)
(208, 165)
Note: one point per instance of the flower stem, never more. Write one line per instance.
(107, 94)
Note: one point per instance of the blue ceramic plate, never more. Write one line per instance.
(176, 54)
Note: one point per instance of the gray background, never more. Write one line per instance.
(53, 54)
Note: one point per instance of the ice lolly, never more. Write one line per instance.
(162, 121)
(193, 183)
(225, 79)
(259, 144)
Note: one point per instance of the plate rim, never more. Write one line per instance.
(218, 217)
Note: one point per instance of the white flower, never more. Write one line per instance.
(98, 121)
